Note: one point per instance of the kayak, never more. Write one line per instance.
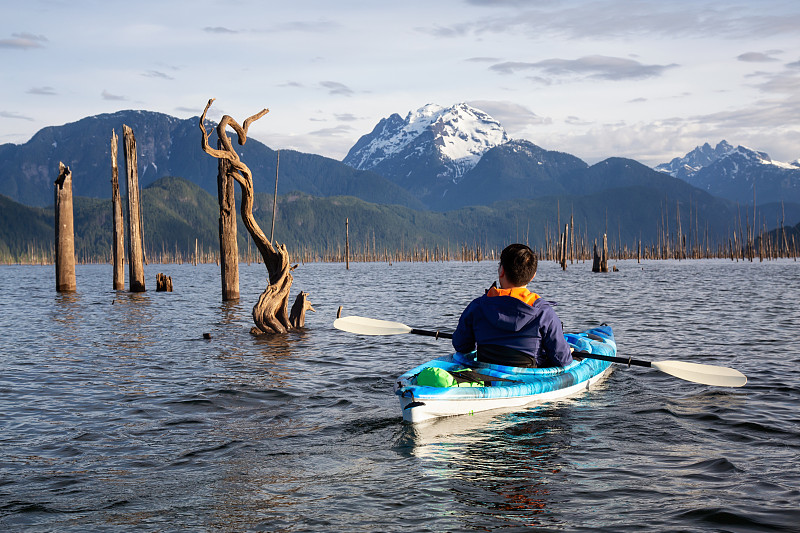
(511, 387)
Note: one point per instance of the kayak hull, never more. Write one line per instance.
(526, 385)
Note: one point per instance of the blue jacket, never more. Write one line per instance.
(532, 328)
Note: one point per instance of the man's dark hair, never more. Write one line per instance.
(519, 263)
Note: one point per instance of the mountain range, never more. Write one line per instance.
(168, 146)
(456, 161)
(737, 173)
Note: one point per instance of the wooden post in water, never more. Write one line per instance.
(347, 242)
(65, 232)
(118, 241)
(604, 260)
(135, 246)
(275, 198)
(228, 245)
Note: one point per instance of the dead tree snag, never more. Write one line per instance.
(270, 313)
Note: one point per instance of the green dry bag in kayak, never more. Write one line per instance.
(438, 377)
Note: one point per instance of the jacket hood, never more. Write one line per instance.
(508, 313)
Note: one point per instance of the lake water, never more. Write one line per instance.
(116, 415)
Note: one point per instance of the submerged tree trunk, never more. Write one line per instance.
(118, 241)
(228, 245)
(270, 313)
(65, 232)
(136, 247)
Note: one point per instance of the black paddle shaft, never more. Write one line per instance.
(436, 334)
(621, 360)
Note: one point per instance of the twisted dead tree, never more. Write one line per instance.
(270, 314)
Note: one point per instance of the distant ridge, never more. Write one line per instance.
(737, 174)
(168, 146)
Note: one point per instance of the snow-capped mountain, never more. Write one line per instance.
(431, 146)
(700, 157)
(734, 173)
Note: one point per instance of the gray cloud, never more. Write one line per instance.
(218, 29)
(787, 82)
(483, 59)
(16, 116)
(756, 57)
(23, 41)
(512, 116)
(793, 64)
(192, 110)
(611, 18)
(346, 117)
(42, 91)
(337, 89)
(595, 67)
(334, 131)
(157, 74)
(112, 97)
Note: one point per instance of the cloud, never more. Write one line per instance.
(13, 115)
(346, 117)
(157, 74)
(23, 41)
(756, 57)
(218, 29)
(294, 84)
(601, 19)
(42, 91)
(193, 110)
(113, 97)
(576, 121)
(333, 131)
(782, 83)
(593, 67)
(337, 89)
(512, 116)
(482, 59)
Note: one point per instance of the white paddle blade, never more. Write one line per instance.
(370, 326)
(718, 376)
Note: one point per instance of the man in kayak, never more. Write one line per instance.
(511, 325)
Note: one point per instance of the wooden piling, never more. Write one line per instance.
(65, 232)
(228, 243)
(118, 241)
(347, 242)
(275, 197)
(135, 244)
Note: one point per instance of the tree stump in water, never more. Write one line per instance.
(65, 231)
(270, 313)
(163, 283)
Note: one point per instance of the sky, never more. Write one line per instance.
(648, 80)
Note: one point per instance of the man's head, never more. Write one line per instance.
(518, 264)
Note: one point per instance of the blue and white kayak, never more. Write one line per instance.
(515, 386)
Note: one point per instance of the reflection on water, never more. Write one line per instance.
(118, 414)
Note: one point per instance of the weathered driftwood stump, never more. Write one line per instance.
(65, 231)
(270, 313)
(163, 283)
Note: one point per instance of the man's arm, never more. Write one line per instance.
(464, 335)
(555, 345)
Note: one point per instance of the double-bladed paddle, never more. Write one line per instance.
(719, 376)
